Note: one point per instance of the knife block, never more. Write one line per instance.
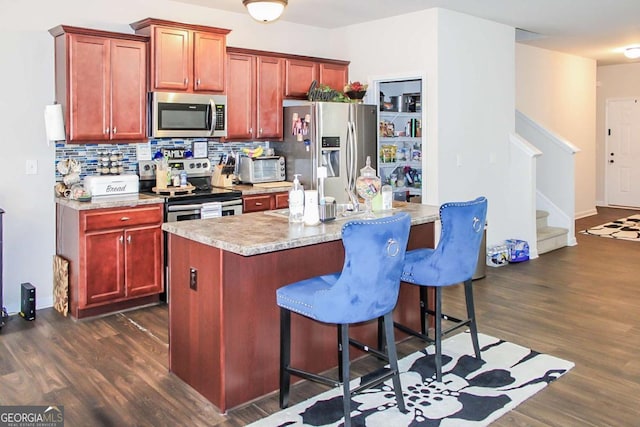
(222, 176)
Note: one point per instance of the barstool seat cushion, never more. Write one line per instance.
(299, 297)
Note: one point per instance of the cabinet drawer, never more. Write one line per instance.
(257, 203)
(102, 219)
(282, 200)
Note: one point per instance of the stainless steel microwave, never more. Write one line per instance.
(187, 115)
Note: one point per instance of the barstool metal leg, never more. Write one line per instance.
(424, 304)
(471, 314)
(393, 359)
(438, 339)
(340, 367)
(346, 399)
(285, 356)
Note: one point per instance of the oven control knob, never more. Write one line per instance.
(147, 167)
(205, 165)
(192, 165)
(198, 165)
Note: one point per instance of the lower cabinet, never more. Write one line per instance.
(265, 202)
(115, 257)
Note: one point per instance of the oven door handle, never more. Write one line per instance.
(179, 208)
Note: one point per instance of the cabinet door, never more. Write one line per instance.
(89, 90)
(171, 59)
(335, 76)
(143, 261)
(128, 90)
(209, 61)
(240, 96)
(104, 255)
(298, 77)
(281, 200)
(269, 86)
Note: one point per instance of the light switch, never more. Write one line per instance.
(31, 167)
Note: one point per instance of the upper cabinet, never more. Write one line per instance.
(299, 73)
(100, 80)
(184, 57)
(254, 95)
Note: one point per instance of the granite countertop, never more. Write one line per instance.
(270, 231)
(248, 189)
(111, 202)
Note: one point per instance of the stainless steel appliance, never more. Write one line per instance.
(187, 115)
(262, 169)
(336, 135)
(182, 207)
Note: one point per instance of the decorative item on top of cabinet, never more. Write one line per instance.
(254, 95)
(100, 80)
(185, 57)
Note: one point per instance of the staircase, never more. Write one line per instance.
(549, 238)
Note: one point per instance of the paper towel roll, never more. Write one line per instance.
(54, 122)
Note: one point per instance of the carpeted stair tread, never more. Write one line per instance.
(550, 232)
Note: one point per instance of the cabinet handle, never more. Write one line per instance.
(198, 82)
(115, 130)
(129, 239)
(186, 81)
(124, 218)
(250, 130)
(258, 203)
(106, 131)
(260, 131)
(121, 239)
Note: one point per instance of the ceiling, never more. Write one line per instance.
(596, 29)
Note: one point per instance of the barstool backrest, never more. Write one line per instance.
(456, 255)
(368, 285)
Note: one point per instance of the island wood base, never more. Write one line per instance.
(224, 330)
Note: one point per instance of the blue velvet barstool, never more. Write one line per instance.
(452, 262)
(366, 289)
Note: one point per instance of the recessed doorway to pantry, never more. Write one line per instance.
(400, 136)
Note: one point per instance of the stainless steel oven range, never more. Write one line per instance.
(196, 205)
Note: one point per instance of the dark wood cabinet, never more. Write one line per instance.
(101, 83)
(184, 57)
(300, 73)
(254, 97)
(115, 256)
(265, 202)
(336, 76)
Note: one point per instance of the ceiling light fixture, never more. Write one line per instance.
(265, 10)
(632, 52)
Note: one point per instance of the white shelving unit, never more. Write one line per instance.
(400, 137)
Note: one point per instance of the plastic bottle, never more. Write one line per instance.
(296, 201)
(183, 178)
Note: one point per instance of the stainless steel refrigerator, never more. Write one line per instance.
(336, 135)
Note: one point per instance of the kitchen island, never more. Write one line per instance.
(223, 316)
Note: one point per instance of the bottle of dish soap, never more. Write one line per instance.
(296, 201)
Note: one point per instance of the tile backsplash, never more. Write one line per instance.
(88, 154)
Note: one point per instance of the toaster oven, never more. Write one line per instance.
(261, 169)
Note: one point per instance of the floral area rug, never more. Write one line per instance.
(473, 393)
(624, 228)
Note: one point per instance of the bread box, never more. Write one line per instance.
(111, 185)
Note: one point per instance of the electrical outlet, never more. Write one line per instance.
(31, 167)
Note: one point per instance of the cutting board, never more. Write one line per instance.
(273, 184)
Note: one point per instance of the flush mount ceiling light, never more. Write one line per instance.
(265, 10)
(632, 52)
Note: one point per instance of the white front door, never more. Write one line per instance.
(623, 152)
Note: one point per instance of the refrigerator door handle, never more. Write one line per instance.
(352, 155)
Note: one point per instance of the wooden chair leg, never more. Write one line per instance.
(346, 394)
(393, 359)
(471, 314)
(438, 339)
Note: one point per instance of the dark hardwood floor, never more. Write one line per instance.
(580, 303)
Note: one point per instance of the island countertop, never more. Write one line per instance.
(270, 231)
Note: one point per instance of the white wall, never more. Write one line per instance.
(27, 72)
(467, 66)
(558, 91)
(614, 81)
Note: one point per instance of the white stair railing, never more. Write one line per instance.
(555, 174)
